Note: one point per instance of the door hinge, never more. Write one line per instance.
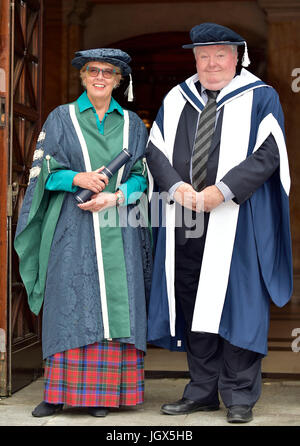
(12, 193)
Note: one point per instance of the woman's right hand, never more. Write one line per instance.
(94, 181)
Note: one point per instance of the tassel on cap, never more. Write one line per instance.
(129, 90)
(245, 61)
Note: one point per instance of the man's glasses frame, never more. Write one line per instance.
(107, 73)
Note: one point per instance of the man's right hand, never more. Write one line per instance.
(186, 196)
(94, 181)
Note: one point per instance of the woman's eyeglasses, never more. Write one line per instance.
(107, 73)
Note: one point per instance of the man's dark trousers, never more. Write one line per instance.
(214, 364)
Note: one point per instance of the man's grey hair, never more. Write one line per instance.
(233, 47)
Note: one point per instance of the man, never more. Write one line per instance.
(218, 143)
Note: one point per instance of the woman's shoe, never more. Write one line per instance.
(98, 411)
(46, 409)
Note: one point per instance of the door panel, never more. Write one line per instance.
(4, 153)
(26, 359)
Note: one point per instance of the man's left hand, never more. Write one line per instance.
(211, 197)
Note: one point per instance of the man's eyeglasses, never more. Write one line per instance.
(107, 73)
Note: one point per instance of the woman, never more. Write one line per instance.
(90, 271)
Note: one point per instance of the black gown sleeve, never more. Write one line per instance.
(244, 179)
(164, 174)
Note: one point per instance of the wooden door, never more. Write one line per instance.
(24, 342)
(4, 150)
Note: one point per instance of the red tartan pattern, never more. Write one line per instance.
(107, 374)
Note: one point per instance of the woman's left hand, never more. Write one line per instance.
(99, 202)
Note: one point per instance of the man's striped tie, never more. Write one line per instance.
(205, 131)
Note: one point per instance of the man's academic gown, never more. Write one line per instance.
(247, 258)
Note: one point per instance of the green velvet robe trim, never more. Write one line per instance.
(102, 149)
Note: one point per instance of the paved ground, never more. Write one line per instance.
(279, 405)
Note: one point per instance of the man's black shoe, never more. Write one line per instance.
(185, 406)
(239, 414)
(98, 411)
(46, 409)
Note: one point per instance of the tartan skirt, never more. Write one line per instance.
(107, 374)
